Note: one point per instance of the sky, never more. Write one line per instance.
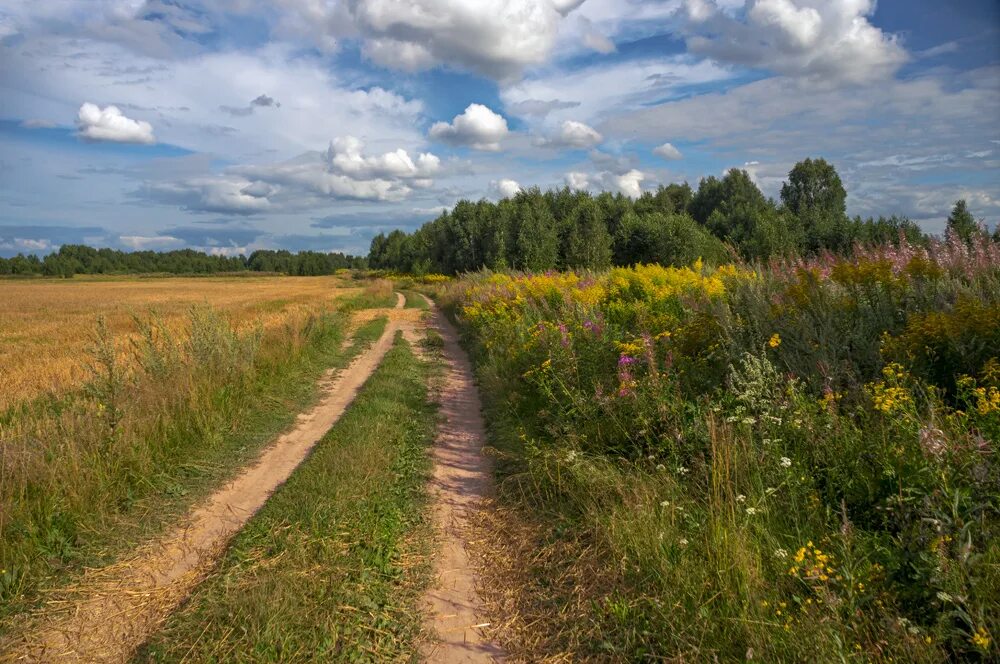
(234, 125)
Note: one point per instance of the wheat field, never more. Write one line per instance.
(46, 326)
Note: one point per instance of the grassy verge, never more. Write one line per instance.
(331, 568)
(86, 478)
(719, 466)
(414, 301)
(378, 294)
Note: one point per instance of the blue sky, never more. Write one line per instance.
(230, 125)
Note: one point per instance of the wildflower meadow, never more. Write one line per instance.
(791, 461)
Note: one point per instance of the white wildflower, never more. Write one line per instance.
(781, 553)
(741, 498)
(682, 470)
(665, 503)
(683, 541)
(660, 467)
(786, 462)
(751, 511)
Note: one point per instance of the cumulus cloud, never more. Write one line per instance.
(505, 188)
(577, 180)
(497, 39)
(668, 152)
(573, 134)
(628, 183)
(110, 124)
(345, 156)
(342, 172)
(220, 194)
(825, 39)
(397, 54)
(478, 127)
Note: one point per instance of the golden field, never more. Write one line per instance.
(46, 326)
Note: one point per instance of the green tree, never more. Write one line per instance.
(816, 197)
(588, 243)
(961, 223)
(536, 244)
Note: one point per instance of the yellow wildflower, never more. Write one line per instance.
(774, 341)
(981, 639)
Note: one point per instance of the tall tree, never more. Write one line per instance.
(588, 243)
(537, 239)
(815, 195)
(814, 186)
(961, 223)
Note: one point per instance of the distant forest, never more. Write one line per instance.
(80, 259)
(723, 219)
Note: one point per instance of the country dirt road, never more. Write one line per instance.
(462, 479)
(112, 611)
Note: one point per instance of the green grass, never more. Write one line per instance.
(376, 295)
(181, 437)
(332, 567)
(414, 301)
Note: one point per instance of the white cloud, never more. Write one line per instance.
(48, 76)
(573, 134)
(505, 188)
(628, 183)
(478, 127)
(823, 39)
(577, 180)
(310, 181)
(498, 39)
(668, 152)
(396, 54)
(144, 243)
(794, 119)
(110, 124)
(221, 194)
(345, 157)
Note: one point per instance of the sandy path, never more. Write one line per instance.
(117, 608)
(462, 478)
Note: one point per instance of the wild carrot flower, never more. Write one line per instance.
(786, 462)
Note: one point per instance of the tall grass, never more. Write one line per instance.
(789, 464)
(158, 421)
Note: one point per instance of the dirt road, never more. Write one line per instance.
(462, 478)
(114, 610)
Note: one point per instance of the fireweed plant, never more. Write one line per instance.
(796, 460)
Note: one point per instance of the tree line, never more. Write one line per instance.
(675, 225)
(74, 259)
